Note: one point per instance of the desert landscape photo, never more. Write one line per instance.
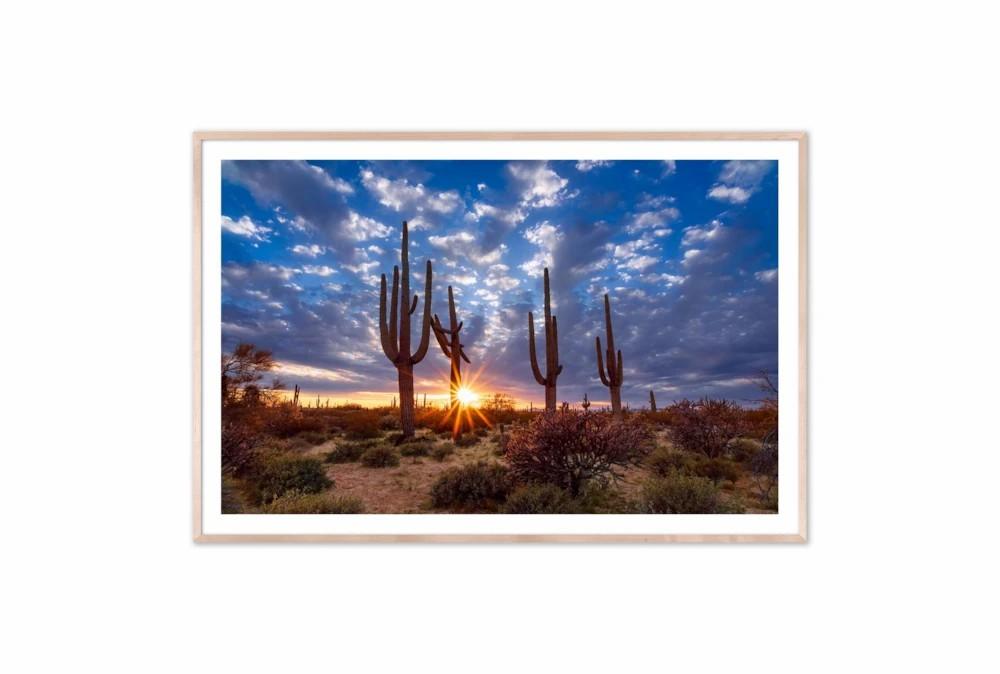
(499, 337)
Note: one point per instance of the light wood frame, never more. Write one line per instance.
(800, 137)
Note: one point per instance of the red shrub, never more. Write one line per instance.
(569, 448)
(707, 425)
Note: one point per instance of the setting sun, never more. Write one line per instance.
(466, 396)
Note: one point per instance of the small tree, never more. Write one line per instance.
(572, 448)
(242, 368)
(706, 426)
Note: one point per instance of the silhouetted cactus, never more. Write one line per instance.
(552, 366)
(295, 397)
(652, 401)
(586, 403)
(452, 347)
(611, 376)
(396, 337)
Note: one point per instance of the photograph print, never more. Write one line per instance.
(498, 337)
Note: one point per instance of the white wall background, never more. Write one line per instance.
(99, 573)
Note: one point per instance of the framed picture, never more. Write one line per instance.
(459, 336)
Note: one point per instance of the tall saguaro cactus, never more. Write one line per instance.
(452, 347)
(612, 375)
(552, 366)
(652, 401)
(395, 330)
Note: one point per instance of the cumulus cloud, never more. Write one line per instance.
(311, 250)
(656, 219)
(402, 196)
(586, 165)
(767, 275)
(246, 228)
(539, 185)
(739, 180)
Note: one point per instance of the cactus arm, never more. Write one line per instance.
(439, 333)
(425, 332)
(461, 352)
(393, 317)
(388, 346)
(556, 367)
(531, 351)
(600, 362)
(413, 307)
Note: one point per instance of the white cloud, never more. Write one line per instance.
(590, 164)
(362, 228)
(320, 270)
(766, 275)
(669, 279)
(546, 236)
(361, 268)
(336, 184)
(510, 216)
(652, 219)
(739, 180)
(308, 251)
(691, 255)
(640, 262)
(246, 228)
(539, 185)
(375, 249)
(734, 195)
(464, 243)
(669, 167)
(400, 195)
(701, 234)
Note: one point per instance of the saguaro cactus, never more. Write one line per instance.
(295, 397)
(652, 401)
(552, 366)
(612, 375)
(396, 336)
(586, 403)
(451, 346)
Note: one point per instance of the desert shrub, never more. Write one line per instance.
(663, 461)
(706, 426)
(718, 469)
(312, 437)
(419, 448)
(764, 472)
(742, 449)
(475, 487)
(571, 448)
(232, 501)
(677, 494)
(389, 422)
(239, 443)
(314, 504)
(363, 434)
(380, 456)
(598, 499)
(442, 451)
(481, 432)
(538, 499)
(284, 423)
(466, 440)
(275, 475)
(346, 452)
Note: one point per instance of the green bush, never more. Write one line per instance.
(475, 487)
(677, 494)
(598, 499)
(381, 456)
(415, 448)
(742, 449)
(663, 461)
(276, 475)
(346, 452)
(442, 451)
(538, 499)
(314, 504)
(718, 470)
(363, 433)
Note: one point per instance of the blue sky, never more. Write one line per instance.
(686, 249)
